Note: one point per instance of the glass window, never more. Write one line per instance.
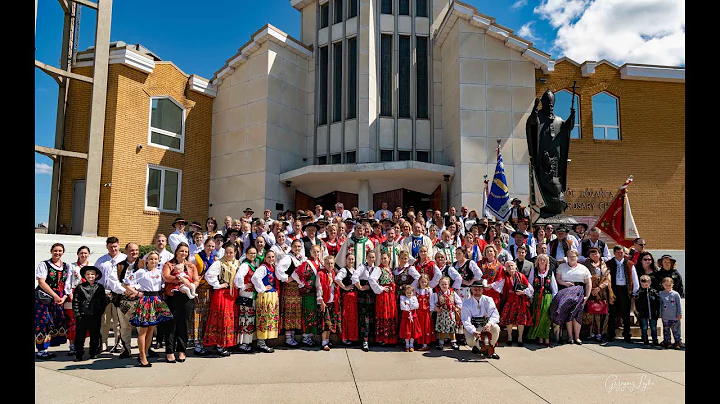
(404, 7)
(404, 77)
(605, 117)
(163, 189)
(338, 12)
(350, 157)
(386, 75)
(324, 15)
(422, 156)
(422, 77)
(421, 7)
(386, 6)
(562, 109)
(167, 122)
(322, 160)
(337, 81)
(335, 158)
(323, 118)
(404, 155)
(352, 8)
(352, 79)
(386, 155)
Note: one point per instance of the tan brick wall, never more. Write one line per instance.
(652, 149)
(122, 212)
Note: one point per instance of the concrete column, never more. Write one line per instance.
(97, 118)
(365, 195)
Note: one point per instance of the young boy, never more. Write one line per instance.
(671, 314)
(88, 307)
(647, 303)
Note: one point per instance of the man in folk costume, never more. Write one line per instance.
(529, 241)
(580, 230)
(358, 244)
(445, 246)
(124, 302)
(416, 240)
(562, 244)
(290, 301)
(479, 315)
(518, 212)
(312, 239)
(625, 284)
(392, 247)
(593, 241)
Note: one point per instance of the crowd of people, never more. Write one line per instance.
(385, 278)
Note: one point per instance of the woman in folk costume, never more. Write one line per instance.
(348, 299)
(267, 305)
(567, 306)
(246, 299)
(392, 247)
(328, 301)
(222, 323)
(468, 270)
(516, 288)
(601, 294)
(366, 299)
(409, 324)
(492, 270)
(203, 260)
(50, 320)
(290, 301)
(445, 246)
(358, 245)
(386, 312)
(474, 251)
(424, 315)
(332, 241)
(545, 288)
(305, 276)
(447, 304)
(405, 273)
(425, 265)
(74, 279)
(281, 247)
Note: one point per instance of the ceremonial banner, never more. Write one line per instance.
(617, 221)
(499, 199)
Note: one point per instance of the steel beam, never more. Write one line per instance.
(54, 72)
(87, 3)
(53, 153)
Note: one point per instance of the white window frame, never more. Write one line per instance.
(577, 113)
(605, 127)
(165, 132)
(162, 188)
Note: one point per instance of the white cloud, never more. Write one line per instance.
(526, 31)
(519, 4)
(42, 168)
(641, 31)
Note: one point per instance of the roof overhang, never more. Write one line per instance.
(124, 56)
(300, 4)
(652, 73)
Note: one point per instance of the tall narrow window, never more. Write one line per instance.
(386, 6)
(323, 118)
(352, 8)
(404, 77)
(324, 15)
(605, 117)
(386, 75)
(338, 12)
(404, 7)
(422, 96)
(337, 81)
(563, 99)
(352, 78)
(421, 8)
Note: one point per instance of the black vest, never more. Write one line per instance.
(585, 246)
(347, 279)
(554, 247)
(612, 266)
(307, 243)
(465, 272)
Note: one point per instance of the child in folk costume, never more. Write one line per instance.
(348, 297)
(409, 324)
(328, 300)
(73, 280)
(424, 315)
(544, 290)
(246, 298)
(88, 307)
(290, 301)
(366, 299)
(425, 265)
(447, 304)
(266, 305)
(492, 270)
(305, 276)
(516, 288)
(382, 283)
(222, 324)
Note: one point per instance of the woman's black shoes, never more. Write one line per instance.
(455, 346)
(140, 364)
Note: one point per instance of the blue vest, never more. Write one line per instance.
(269, 280)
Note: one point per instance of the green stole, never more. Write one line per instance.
(359, 241)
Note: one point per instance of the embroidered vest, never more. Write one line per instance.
(427, 268)
(269, 278)
(542, 285)
(56, 278)
(386, 277)
(465, 272)
(403, 278)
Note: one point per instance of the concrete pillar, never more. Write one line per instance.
(97, 118)
(365, 195)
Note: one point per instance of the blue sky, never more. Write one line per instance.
(200, 37)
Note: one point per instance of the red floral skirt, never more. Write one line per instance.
(516, 311)
(222, 323)
(386, 317)
(494, 294)
(349, 329)
(409, 325)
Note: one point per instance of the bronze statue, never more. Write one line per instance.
(548, 138)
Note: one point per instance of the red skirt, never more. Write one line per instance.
(516, 311)
(222, 323)
(349, 329)
(409, 325)
(427, 331)
(386, 316)
(494, 294)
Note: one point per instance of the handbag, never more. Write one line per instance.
(597, 307)
(43, 297)
(479, 322)
(244, 301)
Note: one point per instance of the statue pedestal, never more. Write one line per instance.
(567, 220)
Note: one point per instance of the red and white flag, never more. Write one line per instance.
(617, 221)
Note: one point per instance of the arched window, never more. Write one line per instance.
(563, 99)
(606, 117)
(167, 124)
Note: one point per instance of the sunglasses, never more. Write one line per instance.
(647, 259)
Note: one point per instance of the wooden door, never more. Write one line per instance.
(436, 199)
(348, 200)
(303, 201)
(393, 198)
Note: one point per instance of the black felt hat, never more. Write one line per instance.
(98, 272)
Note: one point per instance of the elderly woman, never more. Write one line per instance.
(50, 320)
(601, 294)
(181, 306)
(567, 306)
